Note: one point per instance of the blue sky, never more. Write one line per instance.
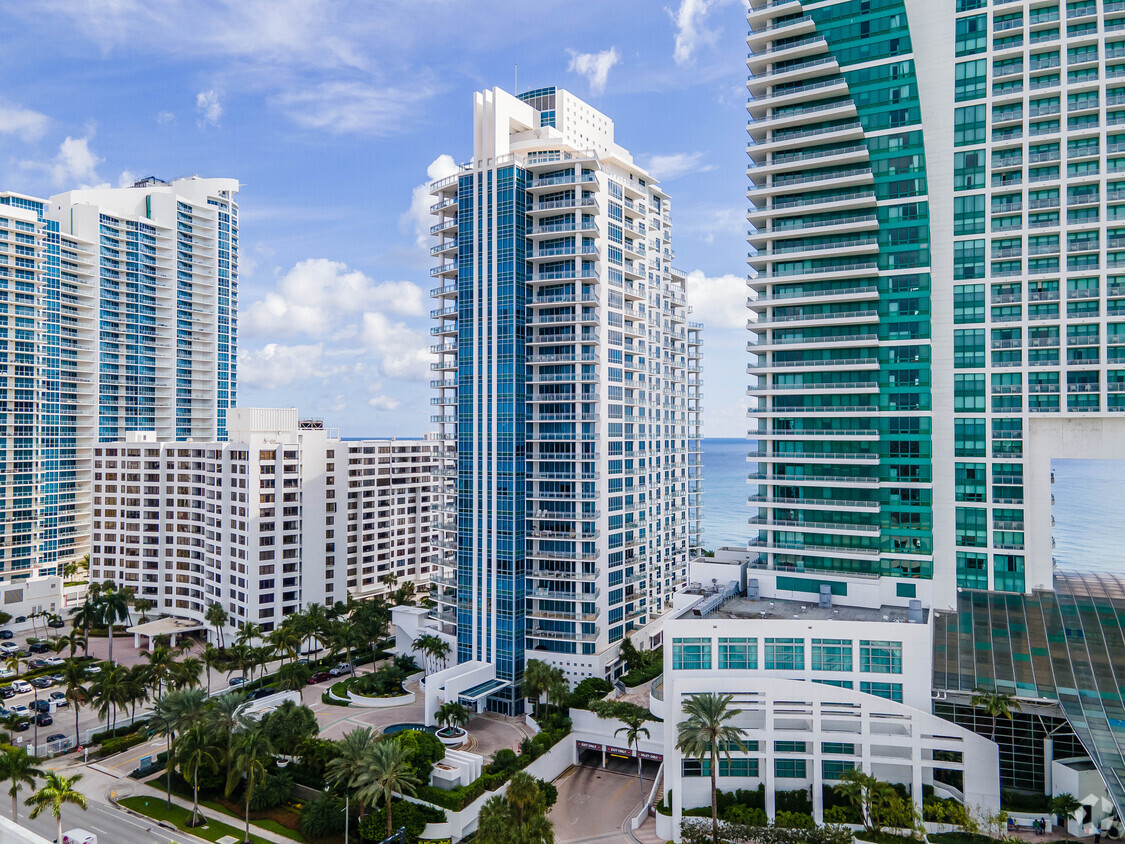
(332, 113)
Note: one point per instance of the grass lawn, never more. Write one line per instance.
(341, 689)
(265, 823)
(157, 809)
(885, 837)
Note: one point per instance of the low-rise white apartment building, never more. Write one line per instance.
(282, 514)
(827, 677)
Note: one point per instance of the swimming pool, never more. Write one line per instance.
(401, 728)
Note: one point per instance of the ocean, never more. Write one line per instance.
(1089, 506)
(725, 491)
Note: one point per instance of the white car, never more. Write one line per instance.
(6, 673)
(54, 661)
(8, 648)
(21, 687)
(340, 670)
(19, 709)
(94, 669)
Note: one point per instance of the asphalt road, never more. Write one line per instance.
(112, 826)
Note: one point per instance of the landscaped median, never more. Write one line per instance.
(157, 809)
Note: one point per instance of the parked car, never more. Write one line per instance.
(44, 720)
(7, 673)
(93, 669)
(237, 681)
(7, 692)
(57, 737)
(6, 634)
(36, 663)
(39, 648)
(260, 693)
(9, 648)
(21, 653)
(340, 670)
(54, 661)
(56, 623)
(58, 678)
(22, 726)
(319, 677)
(19, 709)
(42, 682)
(41, 705)
(59, 699)
(21, 686)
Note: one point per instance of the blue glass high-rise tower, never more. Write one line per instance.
(571, 381)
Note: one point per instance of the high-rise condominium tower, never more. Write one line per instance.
(119, 316)
(939, 233)
(570, 383)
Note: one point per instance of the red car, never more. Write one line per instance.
(319, 677)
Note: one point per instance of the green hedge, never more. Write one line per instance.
(116, 745)
(643, 675)
(130, 729)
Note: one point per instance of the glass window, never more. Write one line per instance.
(968, 392)
(789, 768)
(879, 657)
(968, 214)
(969, 125)
(785, 654)
(971, 80)
(972, 35)
(968, 170)
(738, 654)
(691, 654)
(831, 655)
(972, 527)
(736, 767)
(891, 691)
(972, 570)
(790, 747)
(970, 479)
(834, 768)
(968, 347)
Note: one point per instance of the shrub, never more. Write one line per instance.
(797, 800)
(425, 749)
(413, 816)
(116, 745)
(589, 690)
(322, 817)
(794, 820)
(622, 710)
(748, 815)
(549, 791)
(842, 814)
(699, 832)
(385, 681)
(273, 792)
(504, 761)
(98, 738)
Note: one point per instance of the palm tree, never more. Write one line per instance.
(859, 789)
(387, 771)
(212, 657)
(114, 609)
(286, 641)
(110, 691)
(248, 632)
(161, 664)
(74, 679)
(519, 816)
(425, 645)
(225, 717)
(441, 651)
(143, 605)
(17, 766)
(176, 712)
(75, 640)
(634, 726)
(136, 687)
(344, 637)
(996, 705)
(537, 678)
(294, 676)
(262, 656)
(217, 617)
(705, 733)
(345, 768)
(315, 620)
(194, 750)
(186, 674)
(251, 751)
(55, 793)
(86, 616)
(452, 714)
(12, 663)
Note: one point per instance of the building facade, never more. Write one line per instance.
(119, 317)
(280, 515)
(926, 289)
(569, 378)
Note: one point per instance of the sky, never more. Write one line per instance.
(335, 115)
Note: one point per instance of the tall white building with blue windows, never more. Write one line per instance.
(568, 377)
(119, 315)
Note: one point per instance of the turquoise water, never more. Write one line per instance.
(392, 729)
(725, 491)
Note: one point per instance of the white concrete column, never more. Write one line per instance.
(1048, 757)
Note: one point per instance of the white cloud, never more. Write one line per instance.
(346, 106)
(718, 302)
(321, 298)
(209, 108)
(384, 402)
(75, 165)
(417, 217)
(667, 167)
(707, 223)
(403, 352)
(165, 117)
(690, 32)
(27, 124)
(126, 179)
(594, 66)
(275, 365)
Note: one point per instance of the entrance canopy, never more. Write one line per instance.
(170, 627)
